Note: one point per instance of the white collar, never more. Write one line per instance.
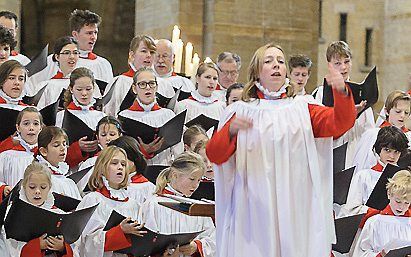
(48, 204)
(10, 100)
(84, 107)
(84, 53)
(24, 144)
(273, 95)
(146, 107)
(120, 194)
(62, 168)
(203, 99)
(171, 189)
(167, 75)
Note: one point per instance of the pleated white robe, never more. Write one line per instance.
(273, 197)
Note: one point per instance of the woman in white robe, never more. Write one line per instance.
(146, 110)
(268, 165)
(182, 179)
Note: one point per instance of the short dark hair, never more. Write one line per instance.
(60, 43)
(81, 18)
(300, 60)
(9, 15)
(391, 137)
(231, 88)
(110, 120)
(47, 134)
(132, 148)
(6, 38)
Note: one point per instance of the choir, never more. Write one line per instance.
(78, 142)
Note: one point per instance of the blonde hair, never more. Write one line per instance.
(185, 163)
(100, 168)
(203, 67)
(393, 98)
(400, 185)
(148, 41)
(36, 168)
(254, 69)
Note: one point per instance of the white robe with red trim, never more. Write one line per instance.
(100, 67)
(122, 87)
(156, 119)
(379, 232)
(275, 171)
(167, 221)
(362, 184)
(13, 163)
(91, 243)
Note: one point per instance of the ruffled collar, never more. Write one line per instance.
(135, 178)
(171, 191)
(114, 194)
(139, 106)
(61, 170)
(25, 145)
(10, 100)
(48, 204)
(195, 95)
(273, 95)
(75, 105)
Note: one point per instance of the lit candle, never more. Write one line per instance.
(189, 56)
(208, 59)
(196, 61)
(178, 55)
(176, 35)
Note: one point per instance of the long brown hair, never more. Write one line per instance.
(254, 69)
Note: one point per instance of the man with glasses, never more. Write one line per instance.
(163, 67)
(9, 21)
(229, 65)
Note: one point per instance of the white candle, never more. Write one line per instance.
(178, 55)
(176, 35)
(189, 56)
(196, 61)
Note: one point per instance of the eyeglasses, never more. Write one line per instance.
(145, 84)
(67, 52)
(227, 73)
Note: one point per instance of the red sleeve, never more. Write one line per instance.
(221, 147)
(2, 192)
(148, 156)
(115, 239)
(370, 212)
(199, 252)
(32, 249)
(75, 155)
(379, 255)
(333, 121)
(6, 144)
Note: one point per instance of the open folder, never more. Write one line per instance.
(205, 190)
(65, 203)
(342, 182)
(38, 63)
(204, 121)
(171, 131)
(151, 243)
(345, 230)
(367, 90)
(339, 156)
(188, 206)
(378, 198)
(76, 128)
(25, 222)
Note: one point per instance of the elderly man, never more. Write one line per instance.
(229, 65)
(163, 66)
